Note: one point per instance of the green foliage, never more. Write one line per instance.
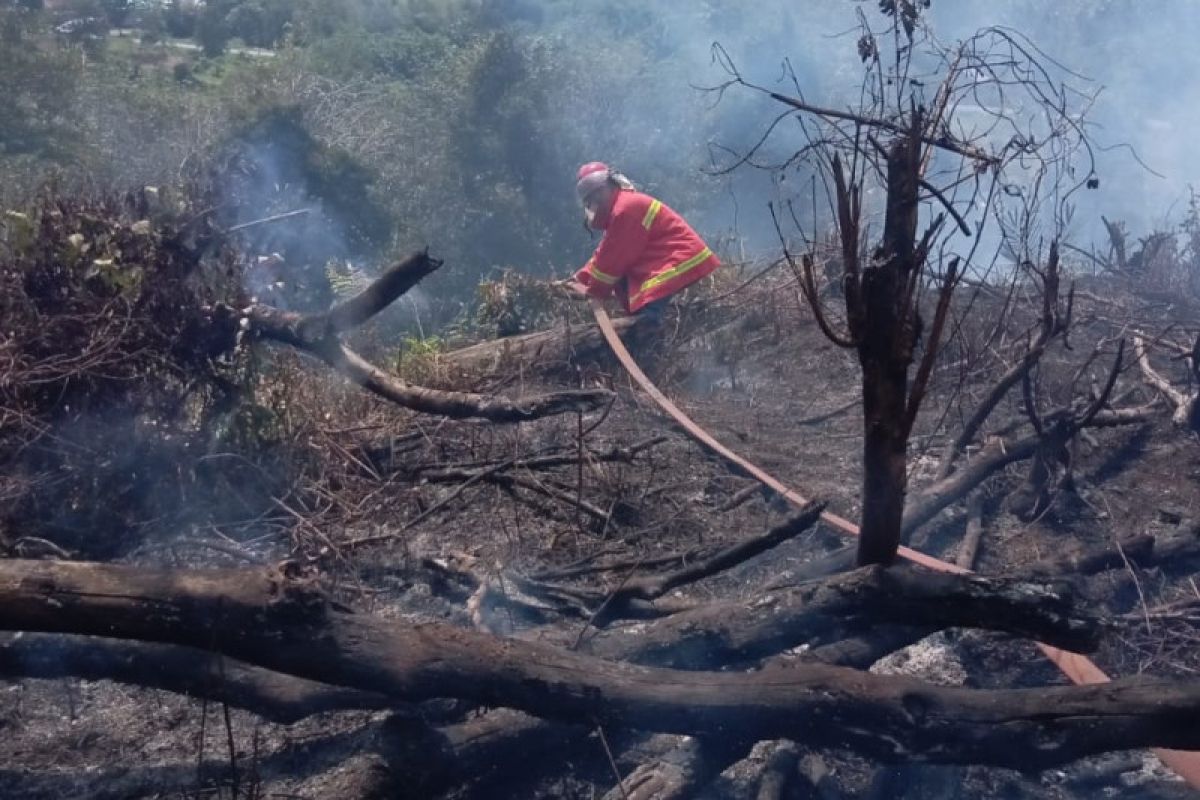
(417, 359)
(407, 55)
(212, 27)
(451, 124)
(260, 23)
(179, 18)
(117, 11)
(512, 167)
(516, 303)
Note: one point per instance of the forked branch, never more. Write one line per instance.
(318, 334)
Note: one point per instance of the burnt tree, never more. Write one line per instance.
(905, 157)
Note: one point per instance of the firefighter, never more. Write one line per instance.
(648, 252)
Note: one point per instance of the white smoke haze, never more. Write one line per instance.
(622, 81)
(1140, 59)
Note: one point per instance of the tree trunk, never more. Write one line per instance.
(887, 331)
(885, 474)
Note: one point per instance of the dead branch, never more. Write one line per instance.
(1052, 465)
(452, 473)
(654, 587)
(317, 334)
(1175, 553)
(741, 496)
(1187, 407)
(740, 632)
(1055, 322)
(943, 142)
(1047, 444)
(1117, 238)
(860, 651)
(968, 549)
(926, 503)
(920, 383)
(268, 220)
(683, 771)
(1139, 550)
(531, 349)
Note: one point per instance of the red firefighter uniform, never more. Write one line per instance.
(648, 252)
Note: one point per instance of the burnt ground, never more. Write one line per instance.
(787, 401)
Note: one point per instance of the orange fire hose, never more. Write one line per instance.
(1078, 668)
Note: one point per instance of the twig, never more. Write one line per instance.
(652, 588)
(562, 495)
(612, 762)
(582, 567)
(962, 223)
(887, 125)
(828, 415)
(546, 462)
(742, 496)
(968, 550)
(386, 537)
(318, 335)
(267, 220)
(233, 771)
(607, 601)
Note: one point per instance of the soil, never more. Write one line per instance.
(74, 739)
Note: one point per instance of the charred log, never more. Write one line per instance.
(739, 632)
(283, 623)
(545, 351)
(182, 670)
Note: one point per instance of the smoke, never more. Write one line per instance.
(643, 113)
(1143, 61)
(275, 167)
(474, 148)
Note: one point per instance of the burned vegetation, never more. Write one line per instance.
(249, 553)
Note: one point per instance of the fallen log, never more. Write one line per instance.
(863, 650)
(743, 631)
(1187, 406)
(1175, 552)
(282, 622)
(694, 763)
(676, 775)
(548, 350)
(182, 670)
(968, 549)
(1076, 560)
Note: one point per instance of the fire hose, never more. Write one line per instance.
(1080, 669)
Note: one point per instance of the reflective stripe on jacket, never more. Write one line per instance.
(648, 252)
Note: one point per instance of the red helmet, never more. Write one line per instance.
(591, 176)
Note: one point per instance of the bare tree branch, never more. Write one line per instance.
(317, 334)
